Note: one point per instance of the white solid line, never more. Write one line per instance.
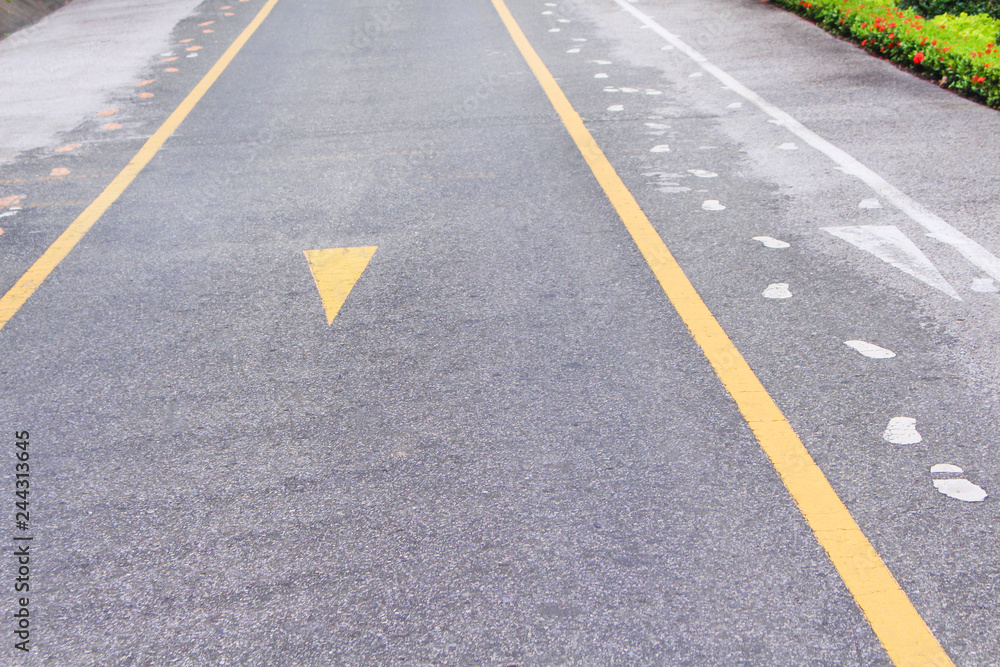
(942, 231)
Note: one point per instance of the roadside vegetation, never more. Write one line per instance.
(959, 50)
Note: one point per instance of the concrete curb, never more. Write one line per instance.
(16, 14)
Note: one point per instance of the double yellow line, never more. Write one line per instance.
(899, 627)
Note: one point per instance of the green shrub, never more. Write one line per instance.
(959, 51)
(954, 7)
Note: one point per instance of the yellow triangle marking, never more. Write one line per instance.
(335, 271)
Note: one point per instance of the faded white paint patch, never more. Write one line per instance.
(695, 75)
(600, 75)
(572, 50)
(777, 291)
(629, 90)
(788, 146)
(712, 205)
(7, 214)
(660, 148)
(870, 203)
(610, 89)
(600, 62)
(657, 126)
(902, 431)
(547, 13)
(616, 107)
(656, 133)
(555, 29)
(735, 105)
(562, 20)
(771, 242)
(985, 285)
(673, 187)
(668, 47)
(579, 39)
(702, 173)
(945, 467)
(653, 91)
(892, 246)
(961, 489)
(869, 350)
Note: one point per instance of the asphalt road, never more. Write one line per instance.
(507, 448)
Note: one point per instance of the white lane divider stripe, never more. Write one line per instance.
(944, 232)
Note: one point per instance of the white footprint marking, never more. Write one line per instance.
(984, 285)
(777, 291)
(961, 489)
(902, 431)
(771, 242)
(869, 350)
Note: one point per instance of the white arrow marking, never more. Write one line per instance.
(968, 248)
(893, 247)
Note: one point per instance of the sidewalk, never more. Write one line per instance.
(60, 70)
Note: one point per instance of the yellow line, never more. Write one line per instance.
(40, 270)
(899, 627)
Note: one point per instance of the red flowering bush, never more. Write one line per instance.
(958, 51)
